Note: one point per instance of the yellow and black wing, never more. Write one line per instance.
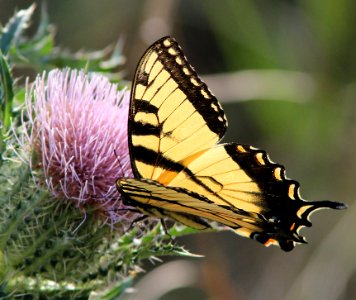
(235, 185)
(182, 173)
(173, 115)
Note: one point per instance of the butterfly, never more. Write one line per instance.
(181, 171)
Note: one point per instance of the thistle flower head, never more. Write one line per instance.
(79, 133)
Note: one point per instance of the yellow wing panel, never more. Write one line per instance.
(173, 115)
(216, 175)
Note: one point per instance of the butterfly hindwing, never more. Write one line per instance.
(190, 209)
(244, 179)
(159, 200)
(234, 185)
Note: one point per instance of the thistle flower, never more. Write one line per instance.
(78, 124)
(52, 245)
(75, 123)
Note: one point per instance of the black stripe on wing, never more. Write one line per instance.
(150, 190)
(153, 158)
(129, 190)
(145, 106)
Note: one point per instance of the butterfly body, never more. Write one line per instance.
(182, 173)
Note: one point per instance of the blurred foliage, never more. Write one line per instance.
(39, 52)
(298, 35)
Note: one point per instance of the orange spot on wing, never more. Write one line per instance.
(269, 242)
(168, 175)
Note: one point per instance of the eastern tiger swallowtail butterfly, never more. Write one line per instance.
(180, 170)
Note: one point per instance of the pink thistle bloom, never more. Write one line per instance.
(79, 122)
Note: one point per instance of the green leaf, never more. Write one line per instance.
(92, 61)
(114, 292)
(117, 59)
(6, 98)
(42, 29)
(34, 52)
(12, 31)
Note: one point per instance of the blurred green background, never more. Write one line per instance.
(285, 72)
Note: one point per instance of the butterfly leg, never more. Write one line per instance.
(138, 219)
(165, 228)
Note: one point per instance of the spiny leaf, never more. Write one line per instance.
(116, 59)
(12, 31)
(34, 51)
(92, 61)
(114, 292)
(6, 99)
(42, 29)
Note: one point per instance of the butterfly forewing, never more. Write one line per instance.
(160, 199)
(173, 113)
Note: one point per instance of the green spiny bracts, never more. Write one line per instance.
(53, 250)
(43, 240)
